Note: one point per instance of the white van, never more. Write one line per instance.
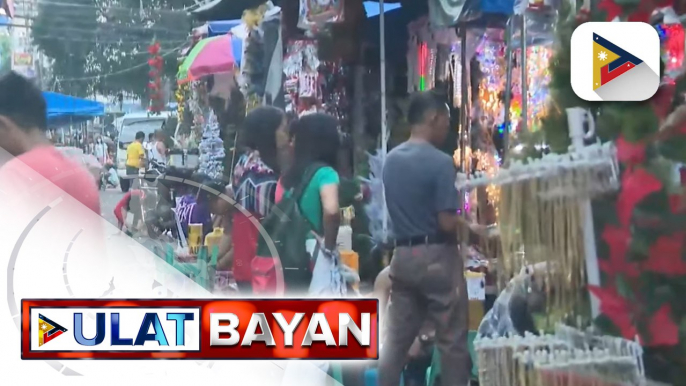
(127, 133)
(138, 116)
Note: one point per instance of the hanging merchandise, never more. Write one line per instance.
(445, 13)
(301, 70)
(211, 149)
(180, 95)
(156, 63)
(334, 95)
(314, 14)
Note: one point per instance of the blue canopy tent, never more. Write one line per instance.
(64, 109)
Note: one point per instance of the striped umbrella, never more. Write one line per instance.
(8, 6)
(209, 56)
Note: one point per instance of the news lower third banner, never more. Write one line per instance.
(199, 329)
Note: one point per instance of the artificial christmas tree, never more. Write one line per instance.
(211, 149)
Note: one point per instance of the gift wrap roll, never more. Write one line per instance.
(352, 260)
(476, 290)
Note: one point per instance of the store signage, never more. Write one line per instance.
(199, 329)
(22, 59)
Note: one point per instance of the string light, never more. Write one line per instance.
(422, 60)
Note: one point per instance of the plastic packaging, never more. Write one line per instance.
(511, 314)
(345, 238)
(213, 239)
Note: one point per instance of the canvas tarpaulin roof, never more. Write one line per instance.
(64, 109)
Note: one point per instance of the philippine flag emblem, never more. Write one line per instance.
(48, 330)
(619, 61)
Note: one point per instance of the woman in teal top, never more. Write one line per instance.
(316, 145)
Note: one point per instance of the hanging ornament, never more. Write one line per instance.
(156, 62)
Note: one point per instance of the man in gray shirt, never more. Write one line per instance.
(427, 279)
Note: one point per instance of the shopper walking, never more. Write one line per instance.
(254, 184)
(427, 280)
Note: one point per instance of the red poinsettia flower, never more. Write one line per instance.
(617, 309)
(662, 330)
(630, 153)
(611, 8)
(637, 184)
(665, 256)
(619, 240)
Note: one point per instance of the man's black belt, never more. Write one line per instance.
(422, 240)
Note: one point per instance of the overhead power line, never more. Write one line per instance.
(120, 72)
(187, 9)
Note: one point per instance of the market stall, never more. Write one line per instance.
(65, 109)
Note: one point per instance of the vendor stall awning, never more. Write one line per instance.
(63, 109)
(8, 6)
(221, 27)
(373, 9)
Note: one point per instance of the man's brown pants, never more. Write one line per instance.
(427, 281)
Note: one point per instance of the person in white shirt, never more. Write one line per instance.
(158, 150)
(147, 145)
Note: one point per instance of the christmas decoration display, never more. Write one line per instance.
(491, 59)
(211, 149)
(156, 63)
(567, 357)
(334, 95)
(314, 14)
(640, 230)
(180, 96)
(312, 85)
(302, 80)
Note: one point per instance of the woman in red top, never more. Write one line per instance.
(254, 184)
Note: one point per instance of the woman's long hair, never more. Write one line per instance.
(316, 140)
(259, 133)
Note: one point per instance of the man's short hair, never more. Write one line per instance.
(140, 135)
(22, 102)
(423, 102)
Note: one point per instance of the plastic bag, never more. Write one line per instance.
(511, 314)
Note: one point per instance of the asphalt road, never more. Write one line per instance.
(108, 200)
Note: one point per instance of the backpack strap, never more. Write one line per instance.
(306, 179)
